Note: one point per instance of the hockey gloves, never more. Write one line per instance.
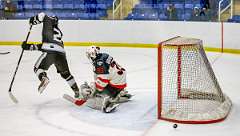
(25, 46)
(31, 47)
(86, 90)
(31, 21)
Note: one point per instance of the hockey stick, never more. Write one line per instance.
(3, 53)
(77, 102)
(14, 99)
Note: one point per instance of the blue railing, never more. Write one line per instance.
(223, 6)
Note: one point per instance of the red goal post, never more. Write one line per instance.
(188, 90)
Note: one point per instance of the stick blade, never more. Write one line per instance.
(13, 98)
(4, 53)
(77, 102)
(68, 98)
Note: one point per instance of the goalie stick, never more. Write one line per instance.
(77, 102)
(13, 98)
(4, 53)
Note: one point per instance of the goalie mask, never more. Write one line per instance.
(92, 52)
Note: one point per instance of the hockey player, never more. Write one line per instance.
(53, 52)
(108, 88)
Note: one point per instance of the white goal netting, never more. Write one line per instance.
(189, 91)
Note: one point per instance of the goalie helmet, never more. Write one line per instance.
(92, 52)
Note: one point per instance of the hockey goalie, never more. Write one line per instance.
(109, 87)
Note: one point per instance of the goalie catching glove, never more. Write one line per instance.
(87, 91)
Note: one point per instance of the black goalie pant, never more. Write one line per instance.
(112, 91)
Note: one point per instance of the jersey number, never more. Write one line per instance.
(118, 67)
(57, 36)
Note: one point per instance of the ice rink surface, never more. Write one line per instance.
(49, 114)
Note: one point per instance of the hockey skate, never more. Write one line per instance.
(108, 105)
(43, 84)
(75, 89)
(76, 94)
(122, 97)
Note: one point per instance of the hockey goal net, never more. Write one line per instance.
(188, 91)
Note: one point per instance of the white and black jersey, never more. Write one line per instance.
(52, 48)
(51, 34)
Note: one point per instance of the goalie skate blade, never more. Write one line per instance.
(14, 99)
(110, 109)
(77, 102)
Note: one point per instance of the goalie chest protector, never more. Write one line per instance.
(102, 63)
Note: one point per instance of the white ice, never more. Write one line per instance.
(49, 114)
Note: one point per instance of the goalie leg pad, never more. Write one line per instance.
(103, 103)
(95, 102)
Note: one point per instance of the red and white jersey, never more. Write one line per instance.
(108, 72)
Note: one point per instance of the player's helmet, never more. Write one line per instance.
(92, 52)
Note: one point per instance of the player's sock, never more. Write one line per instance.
(43, 84)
